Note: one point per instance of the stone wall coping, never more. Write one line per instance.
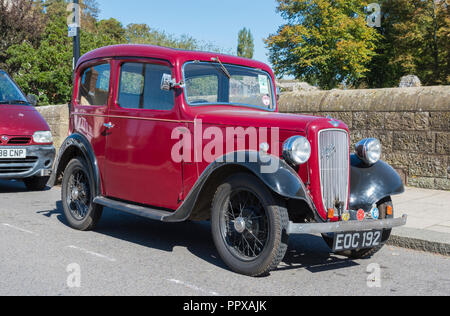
(416, 99)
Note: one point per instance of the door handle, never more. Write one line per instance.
(108, 125)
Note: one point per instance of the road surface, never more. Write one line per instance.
(128, 255)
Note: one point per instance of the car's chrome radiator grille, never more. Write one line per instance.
(334, 167)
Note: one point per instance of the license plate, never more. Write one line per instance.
(357, 240)
(13, 153)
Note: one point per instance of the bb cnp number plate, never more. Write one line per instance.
(357, 240)
(13, 153)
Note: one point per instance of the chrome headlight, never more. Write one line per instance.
(43, 137)
(369, 150)
(297, 150)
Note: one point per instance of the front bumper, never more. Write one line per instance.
(39, 162)
(340, 227)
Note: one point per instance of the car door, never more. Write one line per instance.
(90, 105)
(139, 167)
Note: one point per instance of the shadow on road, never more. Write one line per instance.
(12, 186)
(15, 186)
(304, 252)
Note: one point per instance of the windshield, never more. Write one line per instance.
(217, 83)
(9, 92)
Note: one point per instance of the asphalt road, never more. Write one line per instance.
(127, 255)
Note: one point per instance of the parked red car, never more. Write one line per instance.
(26, 145)
(177, 135)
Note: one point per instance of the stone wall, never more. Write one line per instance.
(412, 123)
(57, 117)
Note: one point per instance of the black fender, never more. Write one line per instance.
(281, 179)
(371, 184)
(76, 145)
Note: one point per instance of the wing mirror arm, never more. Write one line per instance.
(167, 83)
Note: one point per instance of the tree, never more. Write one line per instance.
(246, 45)
(20, 20)
(41, 62)
(46, 70)
(415, 41)
(113, 29)
(325, 43)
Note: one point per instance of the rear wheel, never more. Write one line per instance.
(249, 225)
(36, 183)
(77, 196)
(367, 253)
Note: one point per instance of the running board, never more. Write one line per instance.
(134, 209)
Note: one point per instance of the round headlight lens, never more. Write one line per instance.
(43, 137)
(369, 150)
(297, 150)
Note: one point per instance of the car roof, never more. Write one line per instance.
(173, 54)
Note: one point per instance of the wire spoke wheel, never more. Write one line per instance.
(78, 194)
(244, 225)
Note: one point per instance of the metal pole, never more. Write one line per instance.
(76, 39)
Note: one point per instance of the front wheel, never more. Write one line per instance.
(249, 225)
(367, 253)
(77, 196)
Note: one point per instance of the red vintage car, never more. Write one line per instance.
(26, 143)
(176, 135)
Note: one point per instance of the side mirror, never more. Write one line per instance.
(167, 83)
(32, 99)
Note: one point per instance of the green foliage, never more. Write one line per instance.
(324, 42)
(415, 41)
(246, 45)
(38, 53)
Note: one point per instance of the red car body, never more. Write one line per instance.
(120, 155)
(128, 150)
(19, 121)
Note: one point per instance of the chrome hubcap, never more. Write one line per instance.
(239, 225)
(75, 194)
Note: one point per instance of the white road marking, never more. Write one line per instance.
(92, 253)
(20, 229)
(193, 287)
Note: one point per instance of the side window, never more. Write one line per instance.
(94, 85)
(140, 87)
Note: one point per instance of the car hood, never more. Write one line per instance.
(18, 120)
(255, 118)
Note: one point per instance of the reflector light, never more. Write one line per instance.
(389, 210)
(330, 213)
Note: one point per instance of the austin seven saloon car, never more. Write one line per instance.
(176, 135)
(26, 144)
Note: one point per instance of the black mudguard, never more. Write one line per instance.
(282, 179)
(79, 144)
(371, 184)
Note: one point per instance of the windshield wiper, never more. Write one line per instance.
(224, 69)
(14, 102)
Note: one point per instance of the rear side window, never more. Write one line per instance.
(94, 85)
(140, 87)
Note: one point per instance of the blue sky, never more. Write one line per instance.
(205, 20)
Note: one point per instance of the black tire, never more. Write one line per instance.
(266, 220)
(36, 183)
(77, 196)
(367, 253)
